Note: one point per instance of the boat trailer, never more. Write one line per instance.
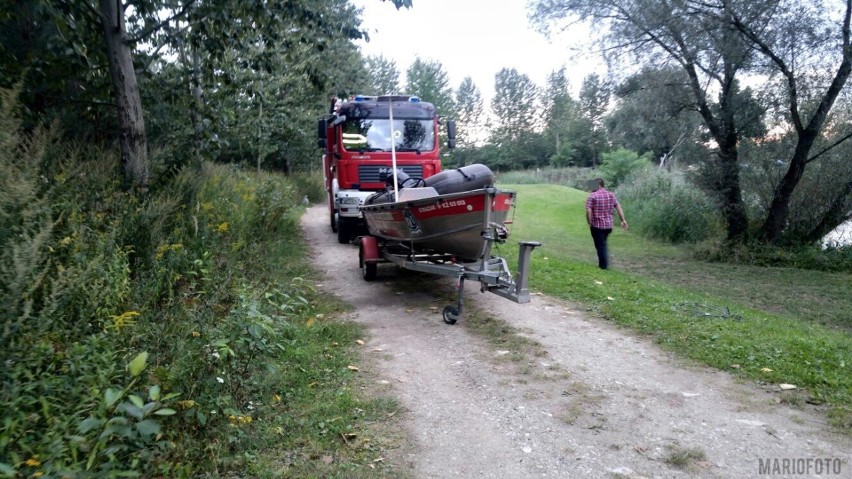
(492, 274)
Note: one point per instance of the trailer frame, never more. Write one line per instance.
(492, 274)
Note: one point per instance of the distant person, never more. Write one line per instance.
(599, 206)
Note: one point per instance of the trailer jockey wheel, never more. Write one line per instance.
(451, 314)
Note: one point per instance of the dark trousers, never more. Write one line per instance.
(600, 235)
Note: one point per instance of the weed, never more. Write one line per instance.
(684, 458)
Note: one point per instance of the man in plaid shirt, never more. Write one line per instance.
(599, 206)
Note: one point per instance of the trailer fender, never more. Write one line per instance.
(370, 248)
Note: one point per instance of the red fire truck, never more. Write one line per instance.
(362, 139)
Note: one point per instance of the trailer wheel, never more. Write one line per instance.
(367, 247)
(451, 314)
(369, 270)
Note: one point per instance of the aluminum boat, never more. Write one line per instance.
(459, 224)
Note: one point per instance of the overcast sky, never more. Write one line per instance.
(475, 38)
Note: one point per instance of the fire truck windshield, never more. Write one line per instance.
(375, 135)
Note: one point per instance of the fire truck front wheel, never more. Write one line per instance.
(334, 221)
(344, 231)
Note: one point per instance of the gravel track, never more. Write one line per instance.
(602, 401)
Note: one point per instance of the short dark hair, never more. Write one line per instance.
(600, 181)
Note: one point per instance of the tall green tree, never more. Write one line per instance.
(804, 46)
(653, 115)
(260, 94)
(59, 64)
(594, 101)
(470, 113)
(560, 113)
(428, 80)
(516, 111)
(384, 75)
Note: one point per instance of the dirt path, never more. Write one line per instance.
(601, 403)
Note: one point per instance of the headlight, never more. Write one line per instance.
(349, 201)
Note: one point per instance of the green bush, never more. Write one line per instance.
(663, 205)
(618, 165)
(312, 184)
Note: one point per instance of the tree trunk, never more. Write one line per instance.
(197, 105)
(259, 136)
(723, 128)
(779, 209)
(837, 214)
(134, 148)
(733, 208)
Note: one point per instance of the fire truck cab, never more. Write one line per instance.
(362, 138)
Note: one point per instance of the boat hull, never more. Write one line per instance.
(456, 224)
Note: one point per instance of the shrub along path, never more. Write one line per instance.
(550, 388)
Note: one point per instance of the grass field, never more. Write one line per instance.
(772, 325)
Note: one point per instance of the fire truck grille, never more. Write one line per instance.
(380, 173)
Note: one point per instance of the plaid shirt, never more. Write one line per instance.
(601, 202)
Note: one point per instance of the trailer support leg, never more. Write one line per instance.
(452, 314)
(521, 290)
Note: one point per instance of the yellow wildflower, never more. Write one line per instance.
(38, 474)
(276, 398)
(235, 420)
(33, 462)
(195, 334)
(223, 227)
(65, 241)
(160, 251)
(124, 319)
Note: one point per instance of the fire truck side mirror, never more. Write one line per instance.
(451, 133)
(322, 128)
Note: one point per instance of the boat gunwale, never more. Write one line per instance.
(490, 191)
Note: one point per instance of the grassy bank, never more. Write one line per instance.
(771, 325)
(171, 334)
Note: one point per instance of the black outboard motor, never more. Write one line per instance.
(403, 180)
